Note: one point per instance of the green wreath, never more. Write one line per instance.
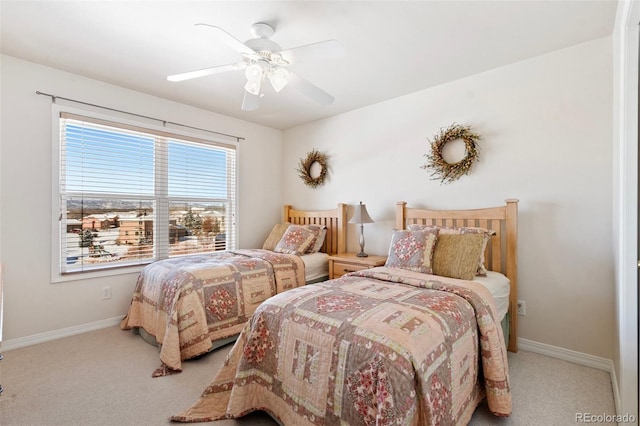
(304, 168)
(448, 172)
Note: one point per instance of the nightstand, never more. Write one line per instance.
(340, 264)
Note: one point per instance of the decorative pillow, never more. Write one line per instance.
(456, 255)
(321, 233)
(295, 240)
(276, 234)
(487, 234)
(412, 250)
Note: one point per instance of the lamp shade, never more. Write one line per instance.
(360, 215)
(254, 72)
(253, 87)
(278, 79)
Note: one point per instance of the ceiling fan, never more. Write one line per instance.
(262, 59)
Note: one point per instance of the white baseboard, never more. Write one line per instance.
(48, 336)
(566, 354)
(577, 358)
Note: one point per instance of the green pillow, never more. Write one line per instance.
(456, 255)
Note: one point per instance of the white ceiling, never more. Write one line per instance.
(393, 48)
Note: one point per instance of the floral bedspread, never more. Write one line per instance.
(382, 346)
(188, 303)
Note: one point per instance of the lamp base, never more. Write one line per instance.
(362, 254)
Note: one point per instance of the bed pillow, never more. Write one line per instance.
(412, 250)
(456, 255)
(321, 233)
(276, 234)
(486, 233)
(295, 240)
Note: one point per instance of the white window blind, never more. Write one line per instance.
(131, 195)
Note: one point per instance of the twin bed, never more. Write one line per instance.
(500, 256)
(388, 345)
(191, 305)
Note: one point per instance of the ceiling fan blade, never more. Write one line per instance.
(329, 49)
(250, 102)
(309, 89)
(202, 72)
(228, 39)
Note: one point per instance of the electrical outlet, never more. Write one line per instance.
(106, 293)
(522, 309)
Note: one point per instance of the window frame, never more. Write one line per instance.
(56, 237)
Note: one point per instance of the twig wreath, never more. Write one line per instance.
(448, 172)
(304, 168)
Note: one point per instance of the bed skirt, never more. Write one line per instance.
(505, 328)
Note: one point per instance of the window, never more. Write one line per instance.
(130, 195)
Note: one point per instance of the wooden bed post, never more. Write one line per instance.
(400, 205)
(512, 270)
(287, 207)
(342, 228)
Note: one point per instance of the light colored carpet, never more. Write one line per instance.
(103, 378)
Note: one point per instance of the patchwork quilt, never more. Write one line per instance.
(188, 303)
(383, 346)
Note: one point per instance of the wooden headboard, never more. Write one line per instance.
(502, 252)
(335, 220)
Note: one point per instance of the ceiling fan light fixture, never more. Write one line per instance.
(254, 72)
(253, 87)
(278, 79)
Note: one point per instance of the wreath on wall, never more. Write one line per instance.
(304, 168)
(448, 172)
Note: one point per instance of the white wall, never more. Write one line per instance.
(547, 140)
(34, 305)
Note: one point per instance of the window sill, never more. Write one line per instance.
(79, 276)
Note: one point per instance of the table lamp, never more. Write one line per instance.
(361, 216)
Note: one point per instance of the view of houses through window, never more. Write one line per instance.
(106, 233)
(131, 196)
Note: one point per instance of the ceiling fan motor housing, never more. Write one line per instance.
(262, 30)
(261, 43)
